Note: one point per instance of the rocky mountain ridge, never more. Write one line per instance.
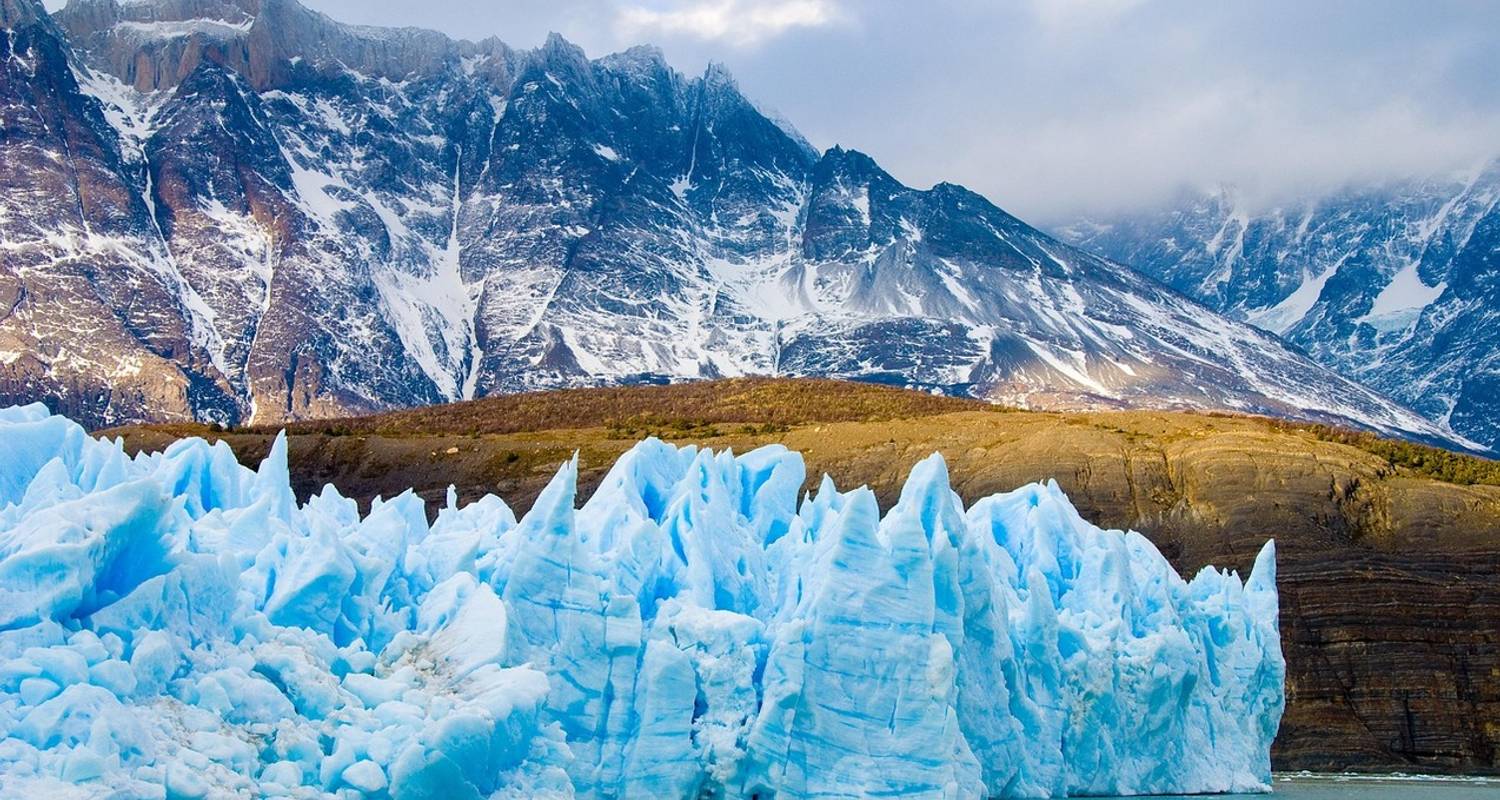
(1393, 285)
(247, 212)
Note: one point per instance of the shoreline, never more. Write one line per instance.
(1387, 777)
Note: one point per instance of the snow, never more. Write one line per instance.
(312, 190)
(1402, 300)
(684, 182)
(126, 110)
(175, 623)
(435, 307)
(247, 240)
(331, 118)
(1074, 367)
(168, 29)
(1283, 316)
(133, 115)
(861, 201)
(1226, 250)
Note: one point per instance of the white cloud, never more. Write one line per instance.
(741, 23)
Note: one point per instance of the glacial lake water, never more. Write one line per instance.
(1359, 787)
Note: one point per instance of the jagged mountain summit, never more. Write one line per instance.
(1393, 285)
(243, 210)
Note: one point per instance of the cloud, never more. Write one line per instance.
(1270, 143)
(740, 23)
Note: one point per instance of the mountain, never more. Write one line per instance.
(243, 211)
(1396, 285)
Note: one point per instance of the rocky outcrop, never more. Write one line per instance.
(1399, 656)
(158, 45)
(90, 315)
(16, 13)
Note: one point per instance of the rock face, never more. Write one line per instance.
(84, 275)
(1395, 286)
(255, 213)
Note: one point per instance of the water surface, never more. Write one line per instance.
(1395, 787)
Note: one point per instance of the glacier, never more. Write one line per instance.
(176, 625)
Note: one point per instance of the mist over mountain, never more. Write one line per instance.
(1394, 285)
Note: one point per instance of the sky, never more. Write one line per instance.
(1061, 108)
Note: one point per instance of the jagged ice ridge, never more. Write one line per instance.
(175, 624)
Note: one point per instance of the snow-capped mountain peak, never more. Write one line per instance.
(248, 211)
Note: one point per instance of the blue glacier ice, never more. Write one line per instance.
(177, 625)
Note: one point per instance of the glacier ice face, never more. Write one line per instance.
(176, 625)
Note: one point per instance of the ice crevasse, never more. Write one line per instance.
(177, 625)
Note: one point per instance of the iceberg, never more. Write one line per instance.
(176, 625)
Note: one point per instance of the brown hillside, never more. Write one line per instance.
(1390, 570)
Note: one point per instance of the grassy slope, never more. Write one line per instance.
(1390, 553)
(1126, 468)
